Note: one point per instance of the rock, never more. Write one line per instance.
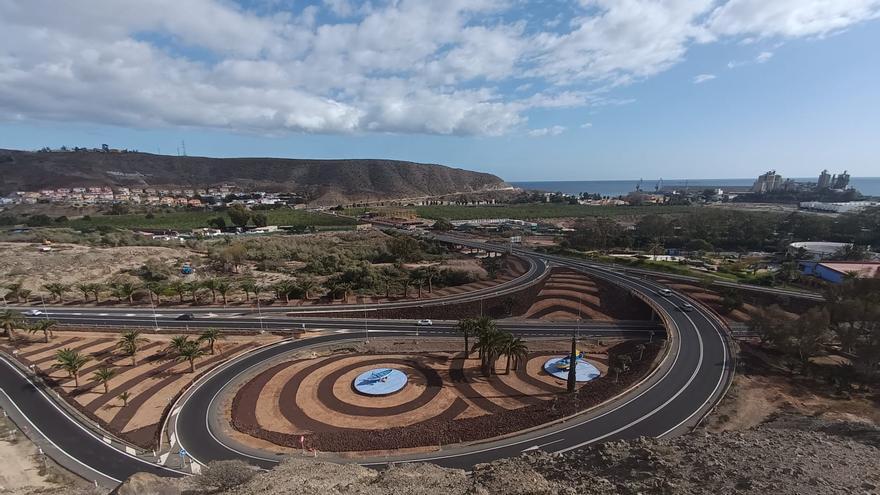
(149, 484)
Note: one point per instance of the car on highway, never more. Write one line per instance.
(33, 312)
(687, 307)
(186, 317)
(424, 323)
(664, 292)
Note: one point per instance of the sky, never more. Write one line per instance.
(528, 90)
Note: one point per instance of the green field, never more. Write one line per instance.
(530, 211)
(187, 220)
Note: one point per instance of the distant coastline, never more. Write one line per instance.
(869, 186)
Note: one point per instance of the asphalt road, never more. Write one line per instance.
(671, 400)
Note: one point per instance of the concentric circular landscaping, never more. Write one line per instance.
(446, 397)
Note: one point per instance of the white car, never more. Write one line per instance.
(424, 323)
(33, 312)
(687, 307)
(664, 292)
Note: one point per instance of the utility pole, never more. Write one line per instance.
(572, 366)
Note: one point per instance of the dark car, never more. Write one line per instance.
(187, 317)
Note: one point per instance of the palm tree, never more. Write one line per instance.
(44, 326)
(156, 289)
(190, 352)
(307, 285)
(179, 287)
(248, 286)
(124, 290)
(193, 288)
(488, 344)
(224, 287)
(177, 344)
(97, 289)
(86, 289)
(516, 348)
(124, 396)
(406, 282)
(72, 362)
(130, 342)
(57, 290)
(466, 327)
(211, 284)
(641, 348)
(417, 279)
(15, 290)
(103, 376)
(24, 295)
(10, 320)
(210, 336)
(431, 273)
(283, 289)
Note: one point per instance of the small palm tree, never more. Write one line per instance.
(156, 289)
(418, 279)
(283, 289)
(129, 342)
(124, 290)
(616, 371)
(10, 320)
(177, 344)
(466, 327)
(103, 376)
(211, 284)
(431, 273)
(44, 326)
(124, 396)
(515, 348)
(15, 290)
(24, 295)
(190, 352)
(307, 285)
(641, 348)
(97, 289)
(86, 290)
(224, 287)
(179, 288)
(248, 286)
(57, 290)
(210, 336)
(72, 362)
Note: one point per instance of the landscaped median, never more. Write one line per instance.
(306, 401)
(125, 390)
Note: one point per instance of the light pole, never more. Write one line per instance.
(260, 315)
(155, 316)
(45, 311)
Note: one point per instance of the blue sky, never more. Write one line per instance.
(544, 90)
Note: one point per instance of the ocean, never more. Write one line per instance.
(869, 186)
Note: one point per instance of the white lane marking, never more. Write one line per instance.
(80, 426)
(81, 463)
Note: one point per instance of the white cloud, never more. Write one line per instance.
(586, 125)
(790, 18)
(763, 57)
(402, 66)
(701, 78)
(547, 131)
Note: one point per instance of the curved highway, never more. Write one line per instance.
(671, 400)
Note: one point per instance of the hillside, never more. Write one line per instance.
(324, 181)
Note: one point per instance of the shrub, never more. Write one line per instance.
(221, 476)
